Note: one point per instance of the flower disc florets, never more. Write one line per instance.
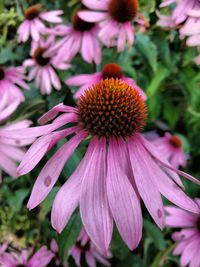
(112, 108)
(32, 12)
(175, 141)
(123, 10)
(2, 73)
(81, 25)
(38, 56)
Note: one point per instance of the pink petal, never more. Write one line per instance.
(144, 178)
(90, 259)
(92, 16)
(51, 171)
(95, 212)
(96, 4)
(123, 201)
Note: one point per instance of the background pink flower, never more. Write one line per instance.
(40, 259)
(188, 238)
(81, 37)
(119, 167)
(11, 149)
(111, 70)
(115, 18)
(84, 246)
(172, 147)
(33, 23)
(10, 81)
(43, 68)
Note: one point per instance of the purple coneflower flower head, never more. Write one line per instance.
(40, 259)
(188, 238)
(115, 18)
(119, 168)
(85, 247)
(11, 149)
(43, 68)
(10, 81)
(33, 22)
(80, 36)
(110, 70)
(172, 148)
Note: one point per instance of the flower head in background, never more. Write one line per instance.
(115, 18)
(13, 259)
(10, 81)
(111, 70)
(188, 238)
(172, 148)
(80, 36)
(43, 68)
(85, 247)
(33, 22)
(11, 149)
(119, 167)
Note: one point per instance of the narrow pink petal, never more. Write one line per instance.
(144, 178)
(68, 196)
(123, 201)
(96, 4)
(90, 259)
(87, 48)
(52, 113)
(95, 212)
(51, 171)
(41, 258)
(39, 148)
(7, 165)
(82, 79)
(92, 16)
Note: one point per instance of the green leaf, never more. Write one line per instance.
(160, 75)
(68, 237)
(47, 203)
(155, 234)
(16, 199)
(148, 49)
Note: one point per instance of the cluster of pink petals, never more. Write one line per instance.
(186, 15)
(10, 81)
(13, 259)
(175, 155)
(11, 149)
(35, 27)
(45, 75)
(188, 238)
(91, 253)
(112, 33)
(87, 80)
(73, 42)
(107, 184)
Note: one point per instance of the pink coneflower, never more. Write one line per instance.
(172, 148)
(33, 24)
(85, 247)
(10, 81)
(118, 169)
(80, 36)
(11, 149)
(111, 70)
(43, 68)
(188, 238)
(115, 18)
(40, 259)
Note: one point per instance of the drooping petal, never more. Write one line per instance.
(51, 171)
(95, 212)
(144, 178)
(123, 201)
(68, 196)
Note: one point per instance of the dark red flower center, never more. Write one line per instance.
(38, 56)
(32, 12)
(112, 108)
(123, 10)
(84, 248)
(175, 141)
(2, 73)
(81, 25)
(112, 70)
